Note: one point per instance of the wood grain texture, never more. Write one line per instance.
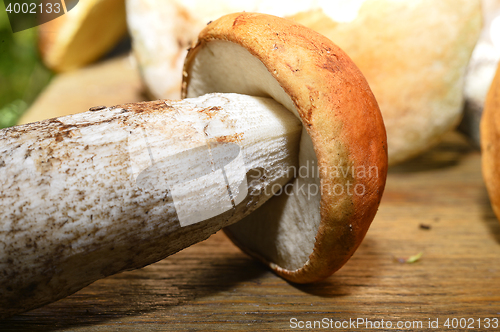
(213, 286)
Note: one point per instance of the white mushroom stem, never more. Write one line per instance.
(89, 195)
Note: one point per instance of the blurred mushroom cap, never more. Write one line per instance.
(83, 34)
(412, 52)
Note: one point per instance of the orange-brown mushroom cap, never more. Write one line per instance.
(340, 117)
(490, 143)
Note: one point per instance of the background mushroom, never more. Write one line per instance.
(101, 205)
(412, 53)
(481, 70)
(69, 41)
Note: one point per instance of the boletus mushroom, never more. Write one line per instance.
(277, 116)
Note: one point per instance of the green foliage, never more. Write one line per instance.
(22, 74)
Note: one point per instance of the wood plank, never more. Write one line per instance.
(213, 286)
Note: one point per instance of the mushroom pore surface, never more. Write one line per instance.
(283, 230)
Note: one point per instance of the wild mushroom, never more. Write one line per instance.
(114, 189)
(316, 225)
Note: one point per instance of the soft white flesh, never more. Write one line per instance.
(75, 207)
(284, 230)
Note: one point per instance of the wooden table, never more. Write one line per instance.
(436, 205)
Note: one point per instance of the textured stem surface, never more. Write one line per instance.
(89, 195)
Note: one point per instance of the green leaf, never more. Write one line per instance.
(414, 258)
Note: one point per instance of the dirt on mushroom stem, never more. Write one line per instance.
(113, 189)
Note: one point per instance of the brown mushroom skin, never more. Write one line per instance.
(341, 116)
(490, 143)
